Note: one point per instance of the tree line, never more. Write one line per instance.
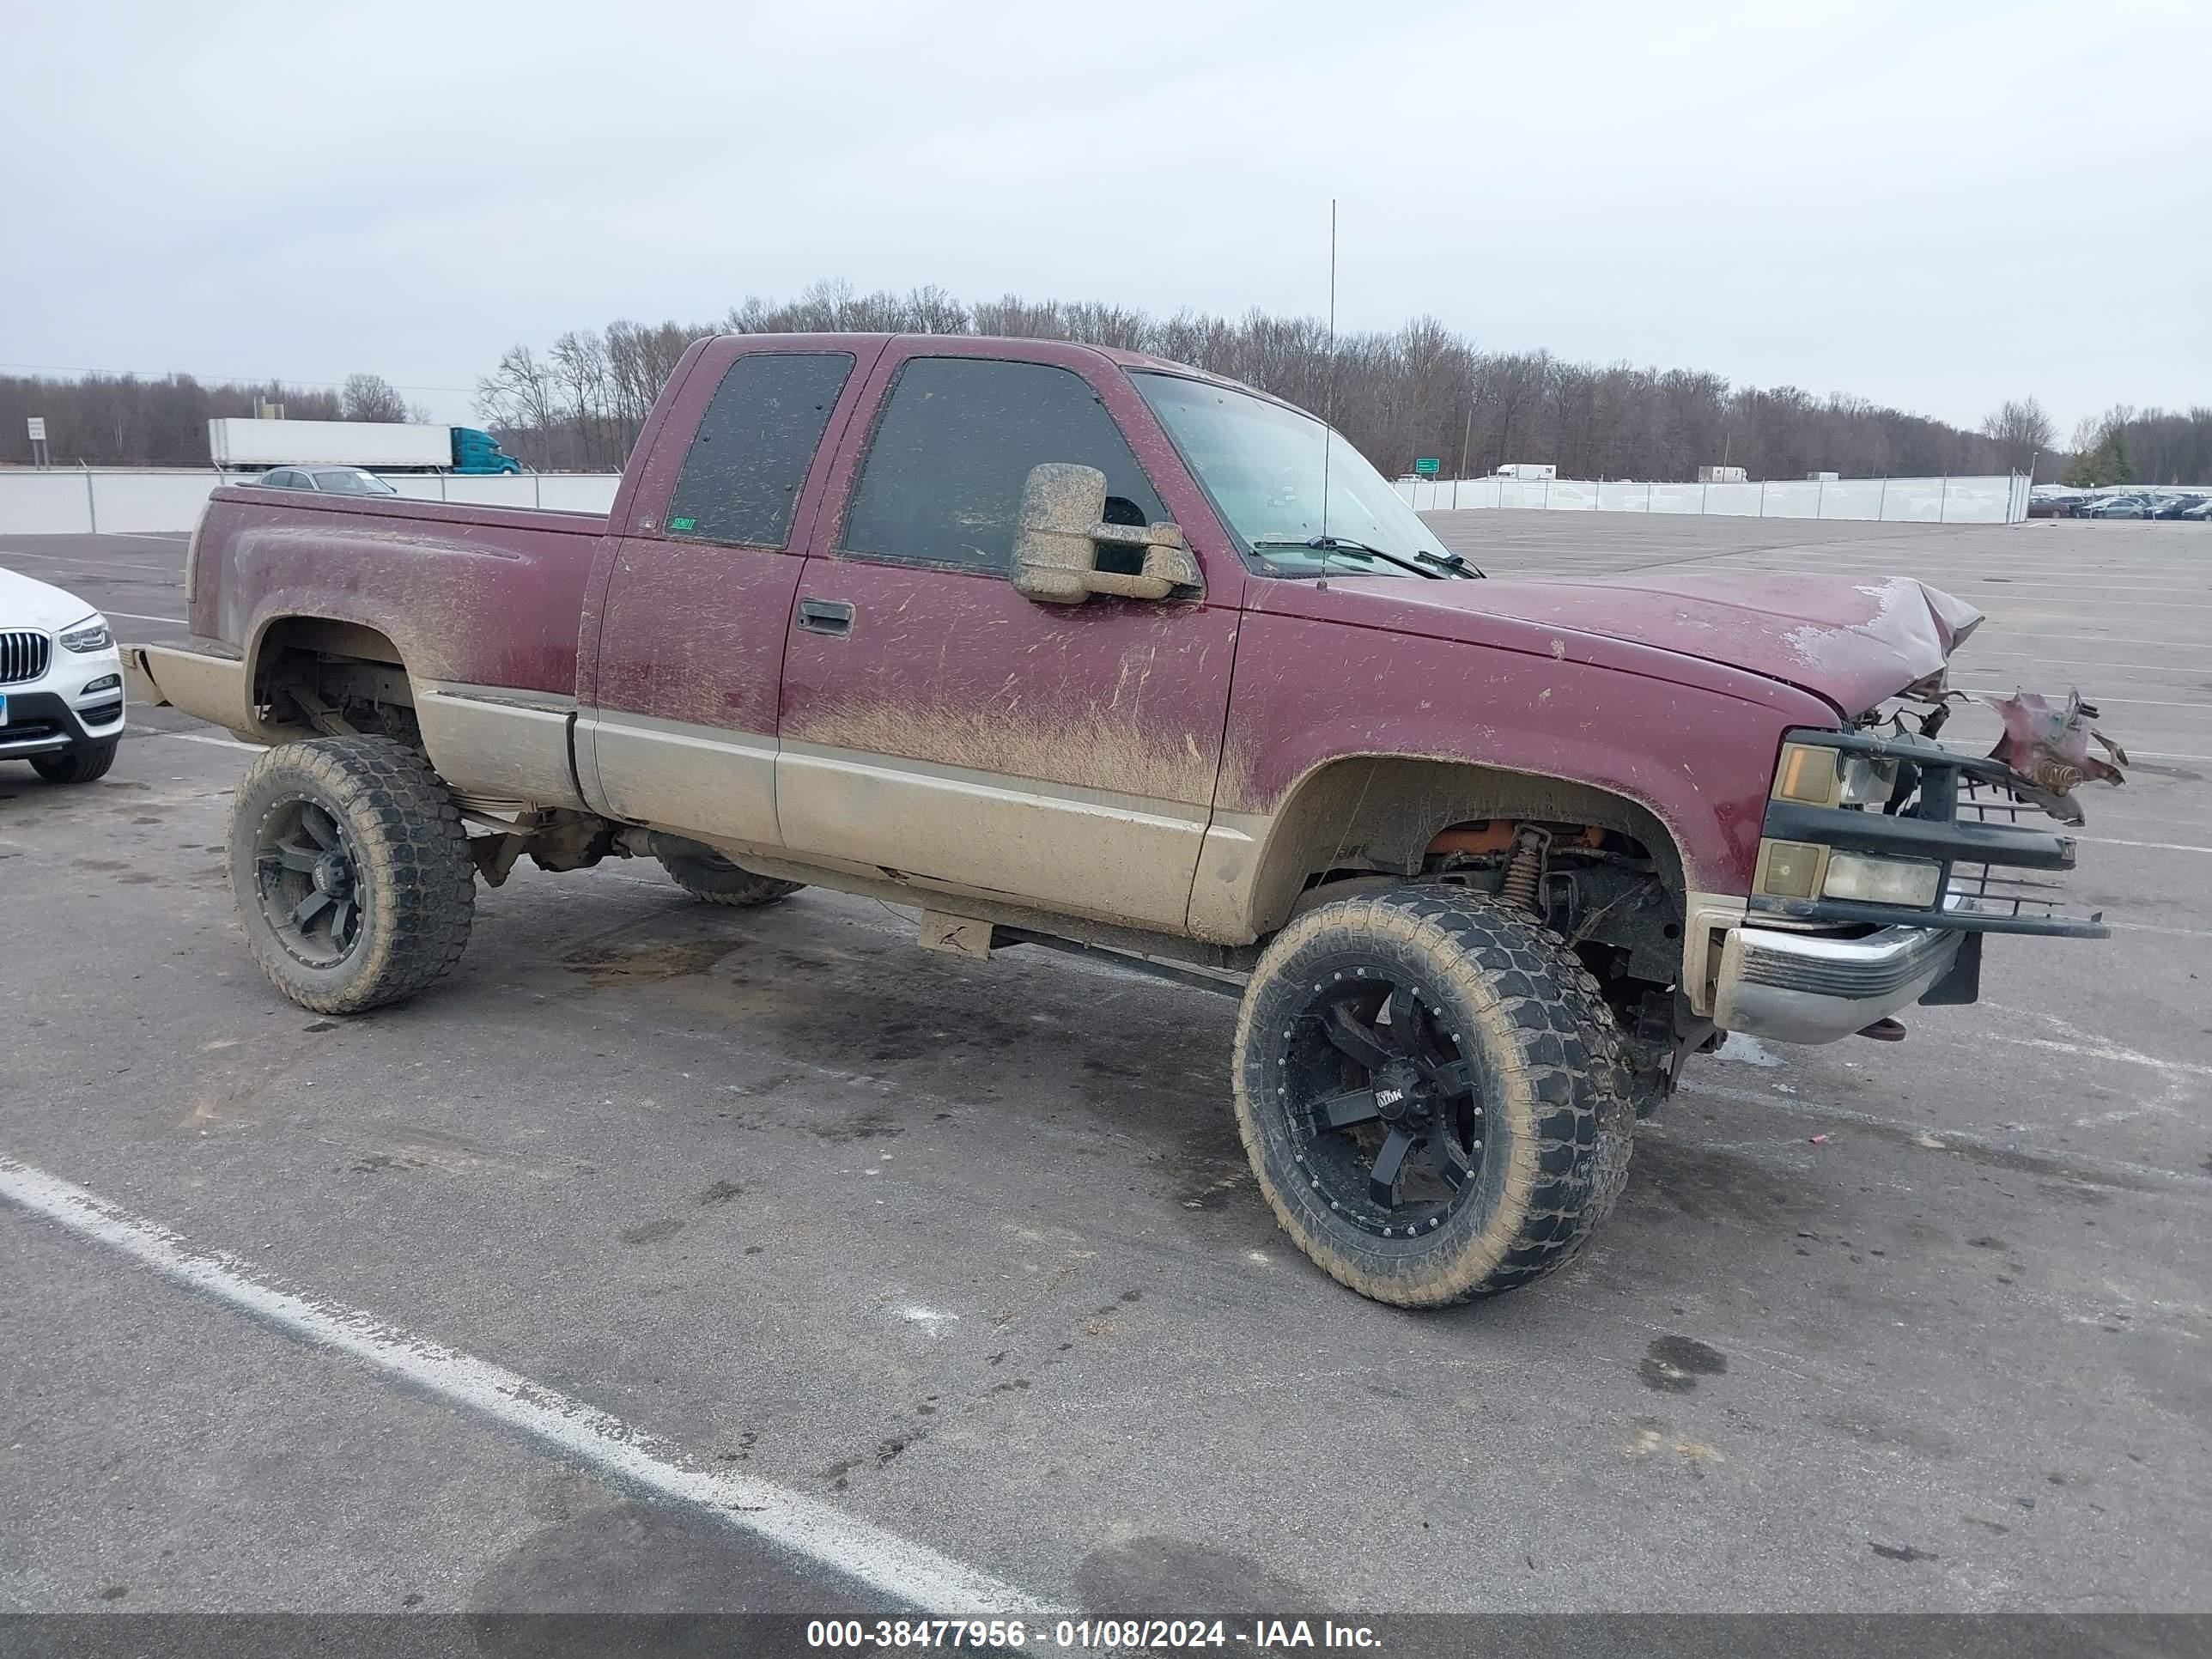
(2125, 446)
(1418, 391)
(127, 420)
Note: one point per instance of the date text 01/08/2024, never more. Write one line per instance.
(1264, 1634)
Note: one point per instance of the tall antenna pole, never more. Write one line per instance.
(1329, 408)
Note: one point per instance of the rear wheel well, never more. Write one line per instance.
(315, 676)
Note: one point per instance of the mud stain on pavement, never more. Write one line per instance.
(1902, 1553)
(646, 962)
(1151, 1571)
(1672, 1364)
(639, 1558)
(1706, 1184)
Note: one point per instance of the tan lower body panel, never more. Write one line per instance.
(698, 781)
(1707, 918)
(499, 745)
(1228, 879)
(1089, 853)
(207, 687)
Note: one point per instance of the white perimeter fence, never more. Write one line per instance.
(1998, 500)
(75, 503)
(66, 503)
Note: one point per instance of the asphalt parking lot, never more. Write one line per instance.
(968, 1252)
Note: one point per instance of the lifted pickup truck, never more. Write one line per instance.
(1070, 647)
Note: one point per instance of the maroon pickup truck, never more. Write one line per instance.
(1069, 646)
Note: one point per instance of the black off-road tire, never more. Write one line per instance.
(84, 765)
(705, 874)
(397, 830)
(1513, 1027)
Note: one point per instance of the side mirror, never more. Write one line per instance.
(1060, 529)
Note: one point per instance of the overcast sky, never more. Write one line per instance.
(1936, 205)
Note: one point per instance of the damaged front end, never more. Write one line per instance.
(1847, 804)
(1885, 858)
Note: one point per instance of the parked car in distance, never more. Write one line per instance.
(61, 682)
(2116, 506)
(327, 480)
(2201, 513)
(2175, 506)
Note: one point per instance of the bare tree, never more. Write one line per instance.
(521, 396)
(2021, 429)
(122, 420)
(370, 397)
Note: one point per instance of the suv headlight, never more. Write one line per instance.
(1820, 777)
(91, 635)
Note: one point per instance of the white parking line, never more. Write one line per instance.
(898, 1567)
(213, 743)
(2141, 703)
(139, 571)
(2155, 846)
(2017, 634)
(140, 616)
(1935, 1140)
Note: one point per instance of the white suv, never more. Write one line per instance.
(61, 683)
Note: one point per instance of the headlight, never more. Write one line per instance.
(1820, 777)
(87, 637)
(1915, 882)
(1789, 869)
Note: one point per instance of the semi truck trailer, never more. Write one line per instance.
(240, 445)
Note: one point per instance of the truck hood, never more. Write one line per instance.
(1852, 641)
(25, 603)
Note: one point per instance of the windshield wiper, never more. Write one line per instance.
(1450, 561)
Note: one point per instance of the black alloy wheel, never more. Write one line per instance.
(307, 874)
(1392, 1123)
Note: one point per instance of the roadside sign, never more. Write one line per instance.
(1430, 464)
(38, 425)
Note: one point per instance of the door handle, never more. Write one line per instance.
(831, 616)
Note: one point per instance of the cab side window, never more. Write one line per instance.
(748, 460)
(953, 446)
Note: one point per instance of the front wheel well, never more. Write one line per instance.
(1384, 815)
(1600, 871)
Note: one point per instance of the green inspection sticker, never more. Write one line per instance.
(683, 524)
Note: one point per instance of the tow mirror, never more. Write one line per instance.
(1061, 527)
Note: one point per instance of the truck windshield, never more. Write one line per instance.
(1262, 464)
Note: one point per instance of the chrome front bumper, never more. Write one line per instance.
(1814, 987)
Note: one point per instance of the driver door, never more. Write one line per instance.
(938, 727)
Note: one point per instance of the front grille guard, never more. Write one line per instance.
(1992, 890)
(1971, 806)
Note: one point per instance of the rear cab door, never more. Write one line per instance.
(684, 638)
(941, 729)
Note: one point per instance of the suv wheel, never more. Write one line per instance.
(80, 765)
(1431, 1088)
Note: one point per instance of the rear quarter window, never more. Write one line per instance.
(749, 456)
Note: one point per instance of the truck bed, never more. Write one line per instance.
(484, 596)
